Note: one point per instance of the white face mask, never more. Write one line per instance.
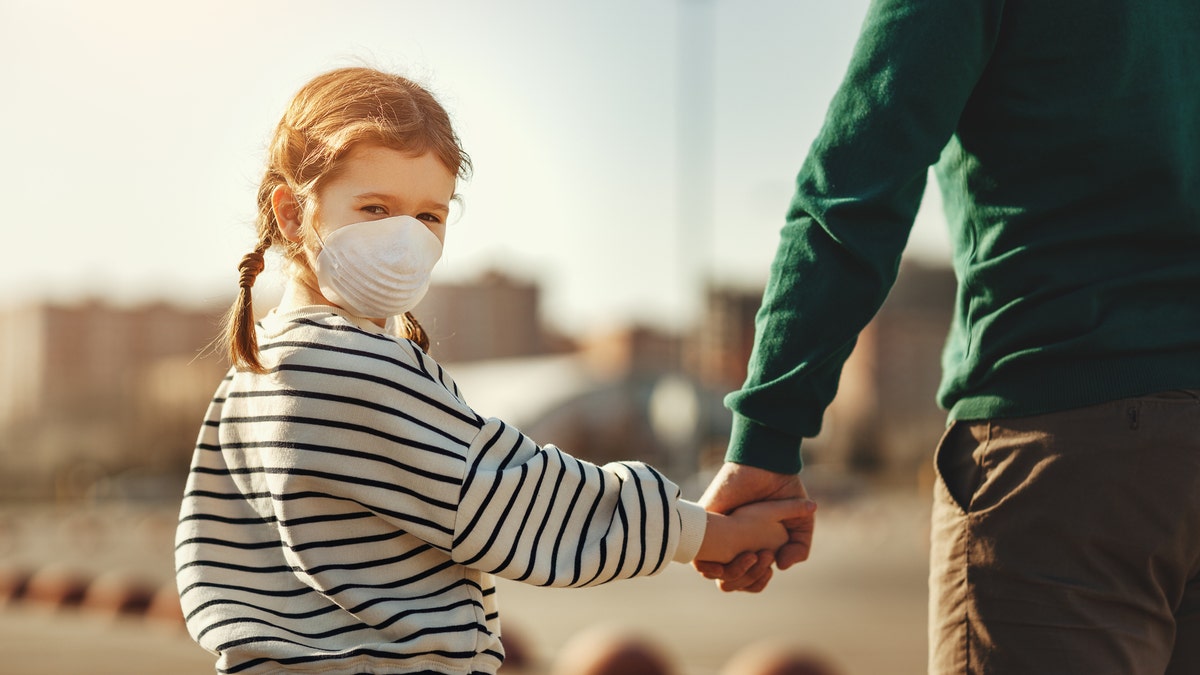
(378, 268)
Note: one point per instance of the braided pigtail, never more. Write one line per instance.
(414, 331)
(240, 337)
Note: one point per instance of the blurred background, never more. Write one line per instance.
(633, 163)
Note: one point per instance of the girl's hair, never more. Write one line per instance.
(327, 117)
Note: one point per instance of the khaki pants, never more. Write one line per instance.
(1069, 542)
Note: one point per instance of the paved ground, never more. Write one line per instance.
(859, 602)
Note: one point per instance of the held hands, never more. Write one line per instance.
(751, 528)
(736, 485)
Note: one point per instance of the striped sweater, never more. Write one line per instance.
(345, 512)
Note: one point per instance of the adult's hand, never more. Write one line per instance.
(736, 485)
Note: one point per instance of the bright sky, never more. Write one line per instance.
(134, 136)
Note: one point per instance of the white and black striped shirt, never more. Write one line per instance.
(346, 510)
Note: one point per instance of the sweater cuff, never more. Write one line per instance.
(762, 447)
(693, 520)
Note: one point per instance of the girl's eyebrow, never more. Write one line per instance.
(376, 195)
(432, 205)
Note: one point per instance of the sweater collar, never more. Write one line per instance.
(276, 318)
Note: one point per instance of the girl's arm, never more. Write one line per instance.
(540, 516)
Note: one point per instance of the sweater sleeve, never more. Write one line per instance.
(911, 74)
(388, 432)
(540, 516)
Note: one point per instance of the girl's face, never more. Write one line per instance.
(376, 182)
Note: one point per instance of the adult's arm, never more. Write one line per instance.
(911, 75)
(912, 72)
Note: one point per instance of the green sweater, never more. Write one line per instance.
(1066, 138)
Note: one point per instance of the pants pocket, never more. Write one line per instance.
(955, 461)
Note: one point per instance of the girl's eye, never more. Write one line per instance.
(375, 209)
(429, 218)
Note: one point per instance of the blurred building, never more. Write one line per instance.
(719, 347)
(631, 349)
(494, 316)
(91, 389)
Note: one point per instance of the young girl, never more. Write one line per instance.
(346, 509)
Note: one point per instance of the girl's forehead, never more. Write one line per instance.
(379, 169)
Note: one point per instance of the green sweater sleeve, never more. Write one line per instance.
(912, 71)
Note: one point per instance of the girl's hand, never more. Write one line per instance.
(751, 528)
